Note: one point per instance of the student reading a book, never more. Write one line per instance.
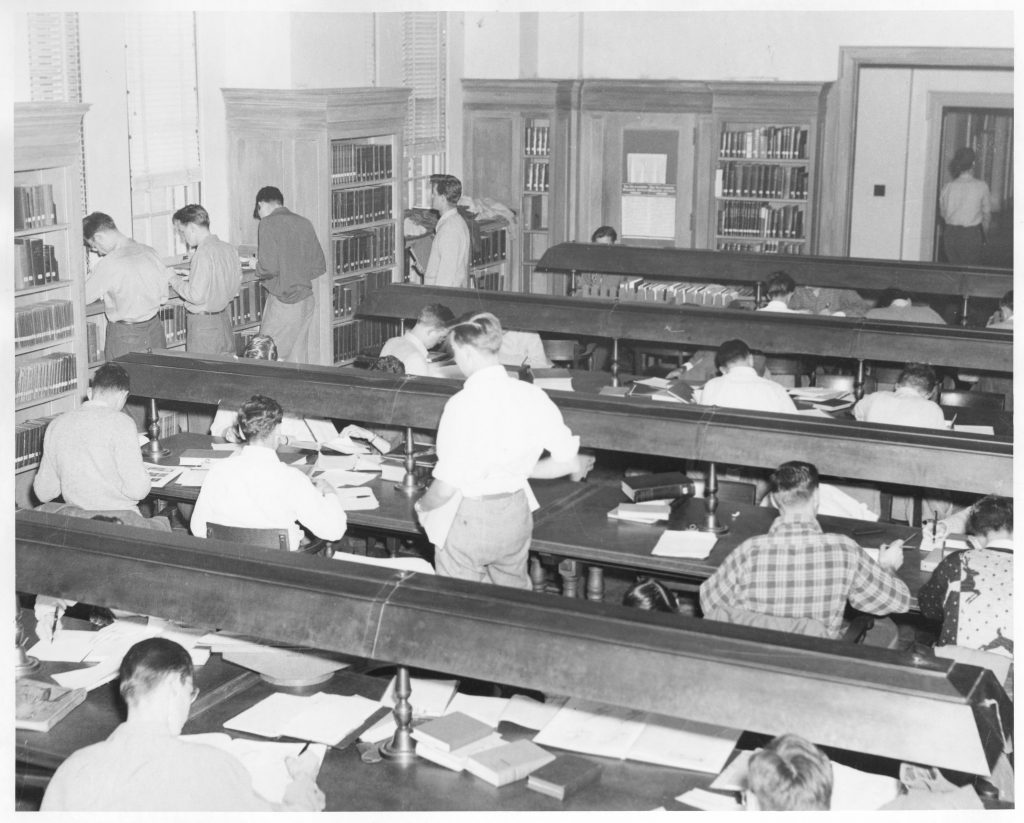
(797, 578)
(911, 403)
(740, 387)
(413, 347)
(144, 766)
(789, 774)
(781, 289)
(254, 489)
(478, 510)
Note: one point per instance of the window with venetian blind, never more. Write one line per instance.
(424, 57)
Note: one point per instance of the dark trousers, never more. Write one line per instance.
(963, 244)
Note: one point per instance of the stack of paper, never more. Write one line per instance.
(688, 543)
(321, 717)
(340, 478)
(823, 398)
(530, 714)
(648, 512)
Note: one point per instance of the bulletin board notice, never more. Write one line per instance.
(649, 211)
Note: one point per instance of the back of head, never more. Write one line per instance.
(962, 161)
(482, 331)
(388, 364)
(886, 298)
(919, 376)
(268, 194)
(793, 483)
(192, 213)
(148, 663)
(97, 221)
(604, 234)
(1007, 300)
(448, 186)
(730, 352)
(435, 315)
(258, 417)
(110, 377)
(780, 284)
(650, 595)
(991, 514)
(261, 347)
(790, 774)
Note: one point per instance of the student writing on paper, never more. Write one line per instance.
(781, 289)
(789, 774)
(740, 387)
(254, 489)
(797, 578)
(145, 766)
(490, 439)
(413, 347)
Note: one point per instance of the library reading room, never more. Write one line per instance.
(512, 411)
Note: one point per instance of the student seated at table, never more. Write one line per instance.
(413, 347)
(262, 347)
(789, 774)
(739, 387)
(798, 578)
(828, 301)
(781, 289)
(971, 591)
(1003, 317)
(896, 305)
(911, 403)
(653, 596)
(145, 766)
(255, 490)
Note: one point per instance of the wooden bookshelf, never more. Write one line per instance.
(50, 365)
(488, 267)
(336, 155)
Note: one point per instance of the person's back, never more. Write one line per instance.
(740, 387)
(907, 314)
(413, 347)
(910, 404)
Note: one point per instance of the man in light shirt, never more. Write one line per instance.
(215, 273)
(739, 387)
(448, 264)
(912, 403)
(413, 347)
(966, 208)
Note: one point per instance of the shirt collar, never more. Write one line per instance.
(210, 238)
(907, 391)
(446, 215)
(487, 374)
(253, 452)
(795, 523)
(741, 371)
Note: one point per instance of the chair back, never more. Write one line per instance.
(257, 538)
(973, 400)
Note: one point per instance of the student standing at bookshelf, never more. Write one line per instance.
(966, 208)
(289, 259)
(215, 273)
(448, 264)
(478, 510)
(131, 281)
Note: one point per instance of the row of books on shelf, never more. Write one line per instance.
(350, 339)
(28, 441)
(247, 306)
(361, 249)
(766, 142)
(43, 322)
(346, 295)
(537, 140)
(493, 244)
(700, 294)
(43, 376)
(173, 317)
(34, 207)
(35, 263)
(536, 176)
(487, 280)
(352, 207)
(760, 220)
(359, 162)
(764, 246)
(748, 180)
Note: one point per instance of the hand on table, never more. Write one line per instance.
(584, 463)
(890, 555)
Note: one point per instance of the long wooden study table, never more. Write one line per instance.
(924, 710)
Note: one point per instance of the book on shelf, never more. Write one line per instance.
(35, 263)
(451, 731)
(43, 376)
(564, 776)
(508, 763)
(537, 140)
(173, 317)
(43, 322)
(40, 706)
(352, 207)
(355, 162)
(28, 441)
(765, 142)
(34, 207)
(364, 248)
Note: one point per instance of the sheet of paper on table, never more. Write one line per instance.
(688, 543)
(91, 677)
(409, 564)
(555, 383)
(989, 430)
(160, 476)
(68, 646)
(283, 664)
(225, 447)
(487, 710)
(320, 717)
(357, 498)
(336, 462)
(531, 714)
(710, 801)
(192, 477)
(340, 478)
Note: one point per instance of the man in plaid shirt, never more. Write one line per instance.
(796, 571)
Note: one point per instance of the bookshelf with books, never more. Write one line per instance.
(488, 269)
(50, 333)
(336, 155)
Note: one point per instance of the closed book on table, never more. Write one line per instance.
(41, 705)
(565, 775)
(663, 486)
(508, 763)
(452, 731)
(457, 758)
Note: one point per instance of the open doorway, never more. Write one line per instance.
(989, 132)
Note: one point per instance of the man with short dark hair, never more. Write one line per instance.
(215, 273)
(289, 259)
(789, 774)
(911, 403)
(740, 387)
(780, 291)
(132, 282)
(1003, 318)
(448, 264)
(144, 765)
(797, 572)
(412, 347)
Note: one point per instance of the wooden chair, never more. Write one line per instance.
(265, 539)
(568, 353)
(973, 400)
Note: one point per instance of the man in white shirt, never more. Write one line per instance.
(489, 441)
(781, 289)
(448, 264)
(739, 387)
(912, 402)
(966, 207)
(412, 347)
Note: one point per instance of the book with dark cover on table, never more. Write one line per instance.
(451, 731)
(564, 776)
(508, 763)
(41, 705)
(663, 486)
